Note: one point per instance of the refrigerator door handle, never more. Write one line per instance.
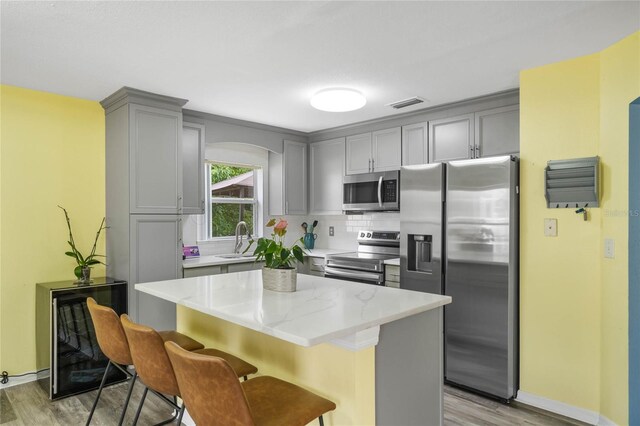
(380, 191)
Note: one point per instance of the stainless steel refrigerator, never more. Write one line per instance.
(478, 204)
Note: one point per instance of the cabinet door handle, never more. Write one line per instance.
(471, 150)
(477, 151)
(373, 164)
(286, 207)
(369, 164)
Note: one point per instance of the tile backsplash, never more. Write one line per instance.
(345, 227)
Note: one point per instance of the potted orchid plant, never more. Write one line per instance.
(279, 272)
(84, 262)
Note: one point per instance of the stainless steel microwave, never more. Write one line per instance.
(371, 192)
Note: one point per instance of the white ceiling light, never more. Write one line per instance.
(338, 100)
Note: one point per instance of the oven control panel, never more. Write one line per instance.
(379, 236)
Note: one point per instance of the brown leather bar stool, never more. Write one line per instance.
(154, 367)
(215, 397)
(113, 343)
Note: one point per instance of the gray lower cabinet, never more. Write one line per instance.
(202, 271)
(221, 269)
(392, 276)
(312, 266)
(156, 255)
(192, 168)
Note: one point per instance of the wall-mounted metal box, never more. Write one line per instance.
(572, 183)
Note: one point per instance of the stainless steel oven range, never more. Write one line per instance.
(367, 264)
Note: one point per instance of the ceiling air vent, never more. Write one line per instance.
(406, 103)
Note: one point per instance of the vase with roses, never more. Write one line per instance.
(279, 272)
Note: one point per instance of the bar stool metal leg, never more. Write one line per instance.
(144, 395)
(95, 403)
(126, 401)
(321, 421)
(180, 415)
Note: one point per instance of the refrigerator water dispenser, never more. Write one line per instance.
(419, 253)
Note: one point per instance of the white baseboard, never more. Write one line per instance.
(30, 377)
(577, 413)
(187, 420)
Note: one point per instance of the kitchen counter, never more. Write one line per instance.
(216, 260)
(322, 310)
(376, 351)
(319, 252)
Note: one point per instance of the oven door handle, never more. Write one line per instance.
(380, 191)
(355, 275)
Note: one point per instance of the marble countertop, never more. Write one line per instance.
(321, 310)
(319, 252)
(213, 260)
(394, 262)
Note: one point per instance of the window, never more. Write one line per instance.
(232, 199)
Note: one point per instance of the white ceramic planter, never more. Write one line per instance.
(279, 279)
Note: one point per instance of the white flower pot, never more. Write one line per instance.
(279, 279)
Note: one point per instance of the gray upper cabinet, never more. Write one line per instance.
(193, 168)
(288, 180)
(386, 147)
(451, 138)
(155, 164)
(295, 173)
(497, 131)
(378, 151)
(326, 172)
(358, 154)
(414, 144)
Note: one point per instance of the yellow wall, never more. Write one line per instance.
(52, 152)
(347, 378)
(574, 302)
(560, 277)
(619, 86)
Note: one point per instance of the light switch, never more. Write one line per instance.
(550, 227)
(609, 248)
(331, 231)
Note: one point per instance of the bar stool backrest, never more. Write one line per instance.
(109, 332)
(150, 357)
(210, 389)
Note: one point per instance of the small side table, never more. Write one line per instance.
(65, 338)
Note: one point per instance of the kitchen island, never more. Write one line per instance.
(375, 351)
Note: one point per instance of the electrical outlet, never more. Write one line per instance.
(609, 248)
(331, 231)
(550, 227)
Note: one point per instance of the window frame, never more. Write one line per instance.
(209, 200)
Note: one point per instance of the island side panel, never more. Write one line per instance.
(409, 371)
(345, 377)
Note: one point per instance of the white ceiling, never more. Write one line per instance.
(261, 61)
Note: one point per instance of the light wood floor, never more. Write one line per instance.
(29, 405)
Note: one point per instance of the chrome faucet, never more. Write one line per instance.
(240, 224)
